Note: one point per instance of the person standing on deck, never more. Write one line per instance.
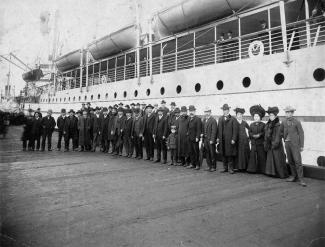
(210, 131)
(160, 133)
(71, 131)
(227, 139)
(149, 121)
(275, 159)
(293, 136)
(257, 157)
(60, 124)
(48, 125)
(242, 157)
(182, 137)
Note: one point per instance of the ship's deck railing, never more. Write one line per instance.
(300, 34)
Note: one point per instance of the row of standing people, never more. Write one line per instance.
(187, 137)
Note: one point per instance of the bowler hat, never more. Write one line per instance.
(289, 109)
(173, 104)
(183, 109)
(120, 109)
(105, 109)
(138, 104)
(63, 110)
(225, 107)
(207, 109)
(71, 110)
(120, 103)
(163, 102)
(274, 110)
(177, 110)
(30, 110)
(149, 106)
(88, 103)
(160, 109)
(128, 111)
(257, 109)
(240, 110)
(132, 104)
(97, 108)
(191, 108)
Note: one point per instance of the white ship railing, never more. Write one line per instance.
(300, 34)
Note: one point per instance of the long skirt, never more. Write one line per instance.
(276, 163)
(257, 159)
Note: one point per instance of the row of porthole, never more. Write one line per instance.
(319, 75)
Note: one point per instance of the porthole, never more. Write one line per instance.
(124, 94)
(279, 78)
(148, 92)
(64, 99)
(178, 89)
(91, 97)
(115, 95)
(79, 98)
(60, 99)
(319, 74)
(162, 91)
(136, 93)
(85, 97)
(98, 96)
(74, 98)
(321, 161)
(246, 82)
(106, 96)
(69, 99)
(49, 100)
(197, 87)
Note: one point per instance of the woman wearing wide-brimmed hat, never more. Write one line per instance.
(275, 159)
(242, 158)
(257, 157)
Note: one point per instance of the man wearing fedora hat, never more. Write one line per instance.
(182, 136)
(194, 134)
(210, 130)
(227, 139)
(48, 125)
(149, 123)
(160, 134)
(293, 135)
(60, 124)
(71, 131)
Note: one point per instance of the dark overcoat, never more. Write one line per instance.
(111, 126)
(194, 128)
(71, 126)
(161, 127)
(182, 136)
(242, 146)
(84, 131)
(104, 127)
(37, 127)
(210, 129)
(227, 131)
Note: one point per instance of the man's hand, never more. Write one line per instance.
(217, 140)
(154, 136)
(211, 142)
(232, 142)
(163, 137)
(196, 139)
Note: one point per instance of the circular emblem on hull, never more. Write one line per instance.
(256, 49)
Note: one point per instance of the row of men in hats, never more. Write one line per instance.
(185, 135)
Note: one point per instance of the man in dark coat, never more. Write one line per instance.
(104, 130)
(210, 130)
(150, 119)
(36, 131)
(96, 129)
(182, 136)
(227, 138)
(119, 130)
(137, 133)
(27, 137)
(293, 135)
(48, 125)
(112, 137)
(84, 131)
(60, 124)
(194, 134)
(160, 134)
(71, 131)
(127, 139)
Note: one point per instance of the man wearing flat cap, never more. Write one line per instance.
(48, 125)
(227, 139)
(60, 124)
(194, 134)
(293, 135)
(210, 131)
(71, 131)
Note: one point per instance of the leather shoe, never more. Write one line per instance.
(291, 179)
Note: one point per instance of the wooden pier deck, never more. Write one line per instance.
(94, 199)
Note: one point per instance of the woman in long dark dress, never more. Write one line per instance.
(257, 158)
(242, 158)
(275, 160)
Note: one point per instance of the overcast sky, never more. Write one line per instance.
(79, 23)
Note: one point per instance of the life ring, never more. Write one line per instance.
(256, 49)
